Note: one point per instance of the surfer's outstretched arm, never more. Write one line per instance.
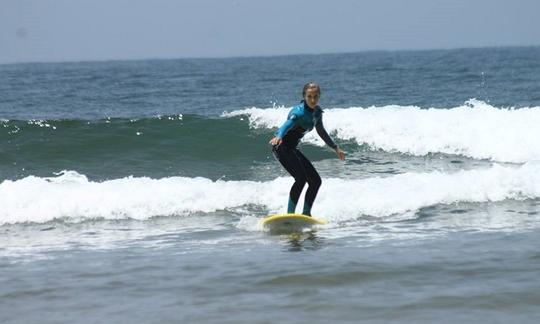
(328, 140)
(324, 135)
(287, 125)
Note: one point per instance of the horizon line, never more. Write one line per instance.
(164, 58)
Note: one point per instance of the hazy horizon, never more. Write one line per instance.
(273, 55)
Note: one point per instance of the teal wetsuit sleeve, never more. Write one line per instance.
(324, 135)
(286, 126)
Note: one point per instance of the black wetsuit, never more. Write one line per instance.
(301, 119)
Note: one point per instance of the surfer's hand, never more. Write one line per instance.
(340, 153)
(275, 141)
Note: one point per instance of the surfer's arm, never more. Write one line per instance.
(286, 126)
(283, 130)
(324, 135)
(328, 140)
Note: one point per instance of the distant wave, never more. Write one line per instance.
(173, 137)
(475, 129)
(72, 197)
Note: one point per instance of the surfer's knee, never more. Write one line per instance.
(315, 181)
(301, 181)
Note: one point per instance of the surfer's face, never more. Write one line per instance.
(312, 97)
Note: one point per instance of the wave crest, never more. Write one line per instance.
(475, 129)
(71, 196)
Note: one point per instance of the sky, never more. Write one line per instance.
(80, 30)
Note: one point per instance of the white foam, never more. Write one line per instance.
(73, 197)
(475, 129)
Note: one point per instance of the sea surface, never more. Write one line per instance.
(131, 191)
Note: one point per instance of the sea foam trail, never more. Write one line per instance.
(476, 129)
(71, 196)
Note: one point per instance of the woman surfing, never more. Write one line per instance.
(300, 120)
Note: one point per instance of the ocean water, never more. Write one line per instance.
(131, 191)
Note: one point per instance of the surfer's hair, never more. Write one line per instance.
(311, 85)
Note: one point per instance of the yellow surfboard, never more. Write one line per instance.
(289, 223)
